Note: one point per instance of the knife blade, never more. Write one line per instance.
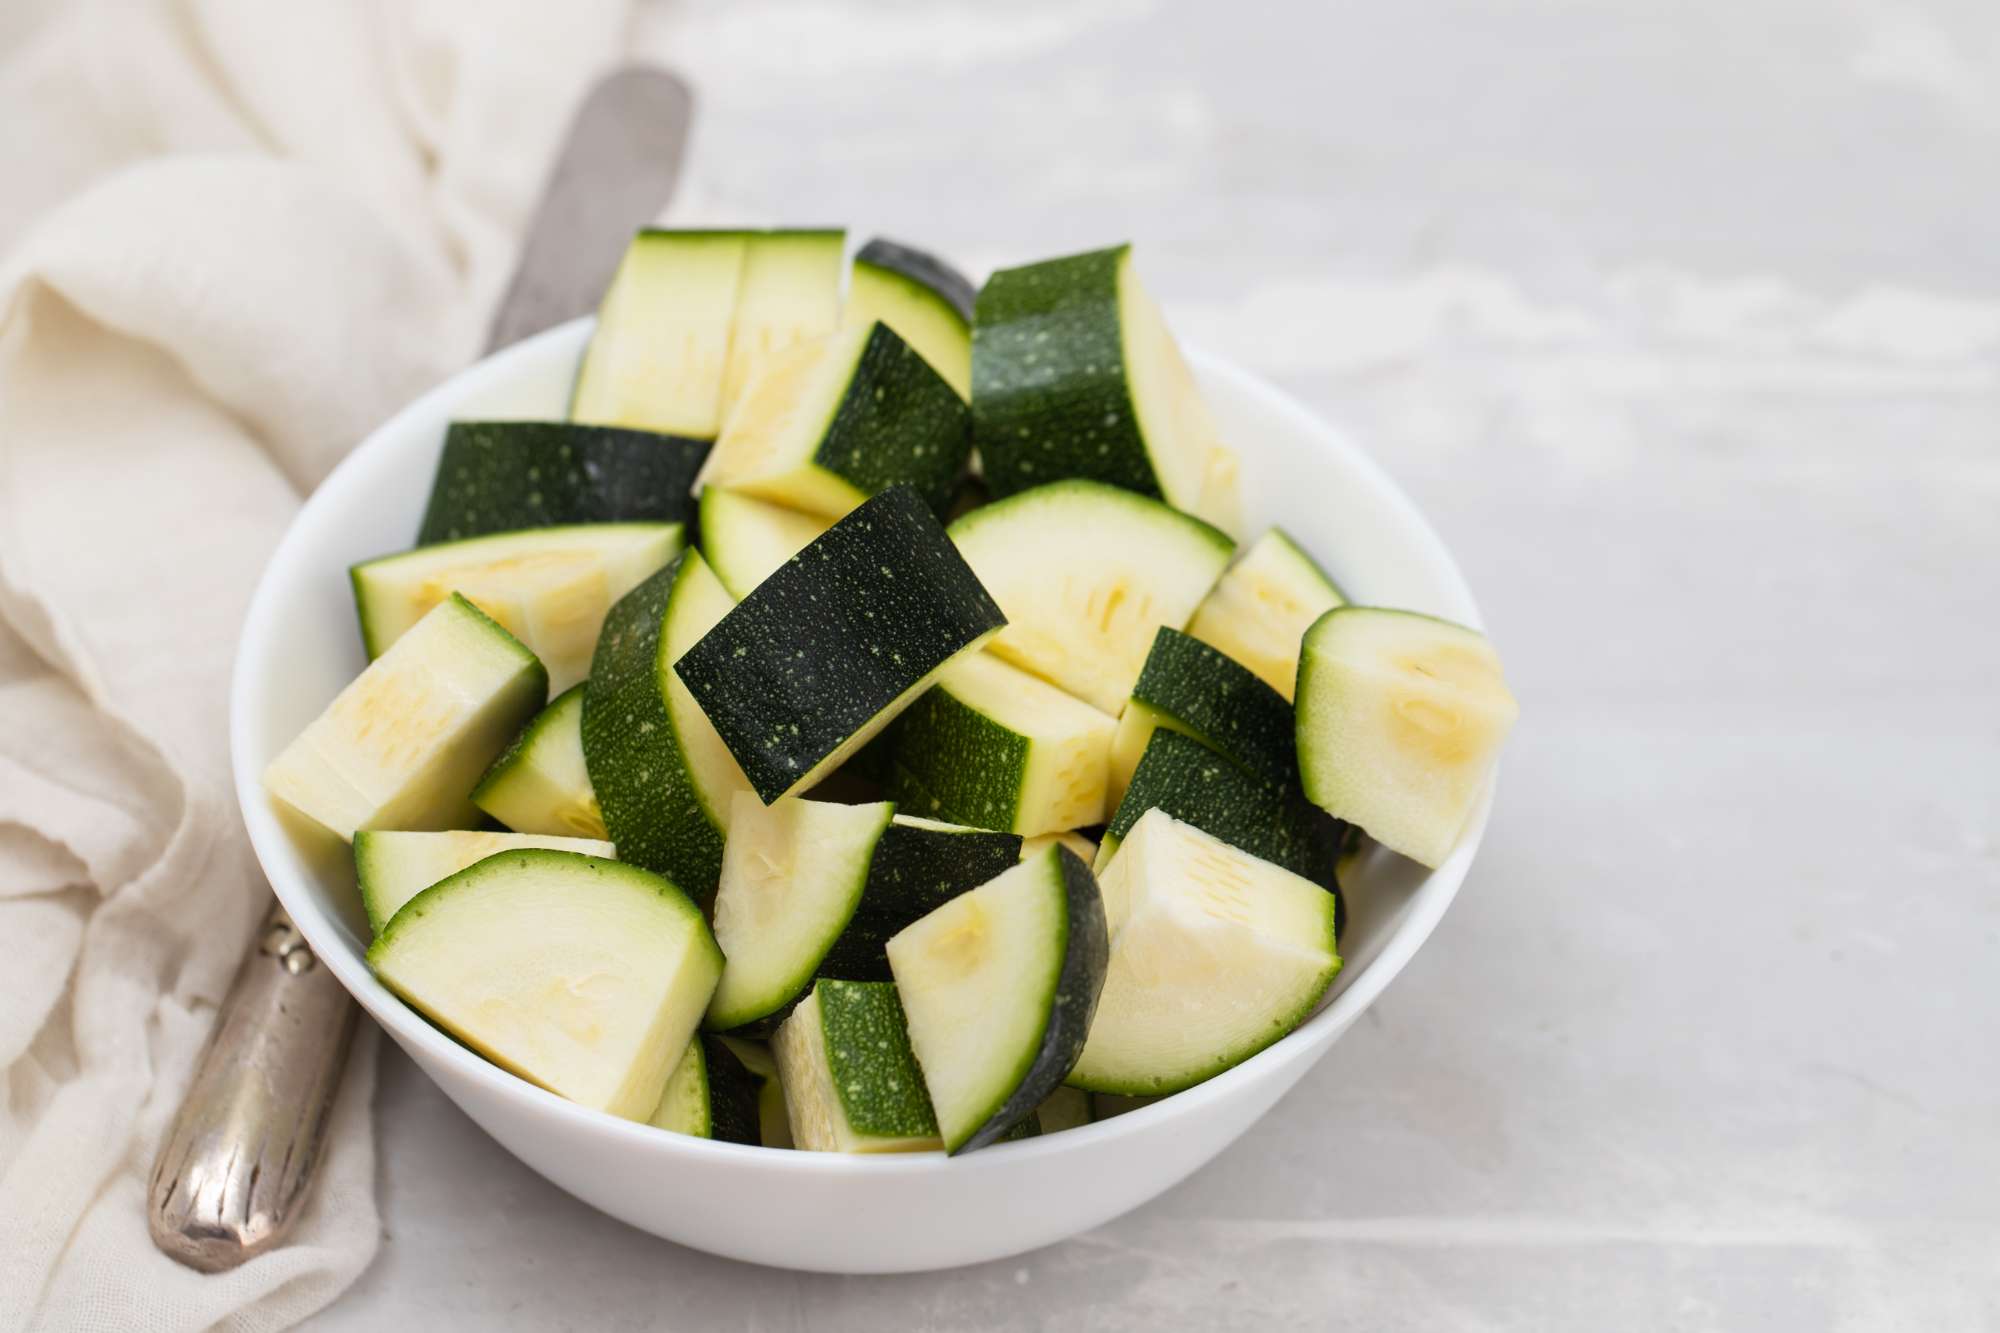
(234, 1170)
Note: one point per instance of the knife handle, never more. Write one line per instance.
(233, 1171)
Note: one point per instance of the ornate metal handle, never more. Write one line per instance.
(234, 1169)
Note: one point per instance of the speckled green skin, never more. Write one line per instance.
(650, 804)
(1050, 396)
(924, 269)
(875, 1074)
(1196, 785)
(899, 421)
(838, 634)
(733, 1092)
(1221, 702)
(914, 871)
(954, 763)
(1086, 954)
(498, 476)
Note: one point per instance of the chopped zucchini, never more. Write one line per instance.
(1400, 719)
(1074, 374)
(851, 1084)
(922, 298)
(1214, 956)
(1263, 606)
(919, 864)
(1190, 687)
(790, 292)
(992, 746)
(657, 358)
(1076, 842)
(1087, 573)
(402, 745)
(829, 649)
(792, 875)
(664, 779)
(502, 476)
(582, 975)
(1191, 782)
(539, 784)
(745, 539)
(392, 867)
(833, 421)
(548, 587)
(712, 1094)
(999, 985)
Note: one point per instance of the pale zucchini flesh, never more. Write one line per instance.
(789, 293)
(1401, 718)
(402, 745)
(392, 866)
(1214, 956)
(548, 587)
(657, 358)
(928, 304)
(992, 746)
(540, 783)
(584, 976)
(1260, 610)
(999, 985)
(745, 539)
(1086, 574)
(792, 875)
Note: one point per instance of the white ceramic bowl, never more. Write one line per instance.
(797, 1209)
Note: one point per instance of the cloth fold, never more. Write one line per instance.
(237, 236)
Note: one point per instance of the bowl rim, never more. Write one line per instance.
(425, 1042)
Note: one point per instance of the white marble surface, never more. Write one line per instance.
(1683, 324)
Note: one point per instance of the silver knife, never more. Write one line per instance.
(235, 1168)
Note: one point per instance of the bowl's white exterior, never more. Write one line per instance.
(795, 1209)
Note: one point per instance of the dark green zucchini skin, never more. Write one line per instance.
(733, 1090)
(1050, 397)
(1086, 955)
(1222, 702)
(834, 636)
(921, 266)
(914, 871)
(899, 421)
(1197, 786)
(500, 476)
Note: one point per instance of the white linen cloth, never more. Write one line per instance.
(238, 235)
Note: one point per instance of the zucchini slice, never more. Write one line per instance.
(1400, 719)
(1214, 956)
(1074, 374)
(392, 867)
(657, 358)
(1190, 687)
(402, 745)
(922, 298)
(582, 975)
(664, 779)
(1191, 782)
(1263, 606)
(999, 985)
(919, 865)
(829, 649)
(745, 538)
(992, 746)
(833, 421)
(540, 784)
(789, 292)
(501, 476)
(792, 875)
(851, 1084)
(548, 587)
(712, 1094)
(1087, 574)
